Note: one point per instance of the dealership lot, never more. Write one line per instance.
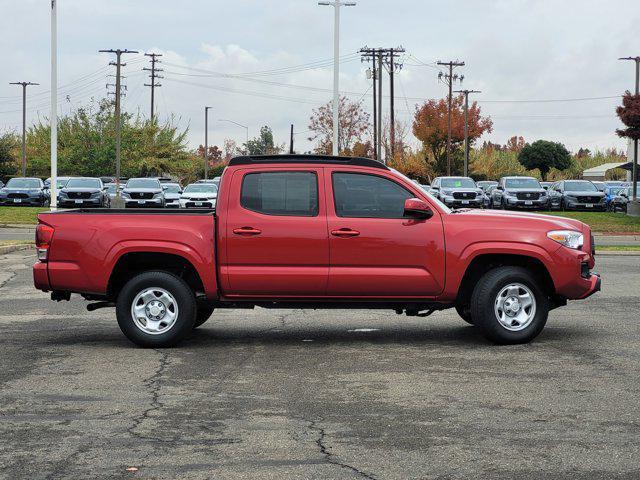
(320, 394)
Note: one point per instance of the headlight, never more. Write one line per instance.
(125, 195)
(568, 238)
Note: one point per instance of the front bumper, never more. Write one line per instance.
(30, 201)
(204, 203)
(135, 203)
(457, 203)
(541, 203)
(77, 203)
(574, 205)
(595, 285)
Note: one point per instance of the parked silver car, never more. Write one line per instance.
(172, 193)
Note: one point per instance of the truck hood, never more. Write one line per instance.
(513, 220)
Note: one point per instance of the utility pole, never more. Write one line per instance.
(153, 76)
(336, 67)
(371, 54)
(291, 141)
(466, 128)
(206, 142)
(24, 123)
(633, 208)
(118, 203)
(391, 67)
(449, 79)
(380, 141)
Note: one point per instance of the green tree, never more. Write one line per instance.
(9, 145)
(86, 145)
(544, 155)
(263, 144)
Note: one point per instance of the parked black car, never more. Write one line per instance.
(619, 201)
(577, 195)
(457, 192)
(519, 192)
(143, 192)
(83, 192)
(24, 191)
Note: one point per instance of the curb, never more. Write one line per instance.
(15, 248)
(619, 253)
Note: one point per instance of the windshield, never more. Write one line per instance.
(457, 183)
(143, 183)
(201, 188)
(23, 183)
(522, 183)
(580, 187)
(615, 190)
(83, 183)
(171, 188)
(111, 188)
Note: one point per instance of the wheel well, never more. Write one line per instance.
(483, 263)
(131, 264)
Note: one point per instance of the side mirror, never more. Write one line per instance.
(499, 187)
(416, 208)
(435, 188)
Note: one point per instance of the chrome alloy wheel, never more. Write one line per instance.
(154, 311)
(515, 307)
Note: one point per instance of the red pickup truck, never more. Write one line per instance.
(315, 232)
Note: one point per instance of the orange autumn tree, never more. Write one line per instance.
(430, 126)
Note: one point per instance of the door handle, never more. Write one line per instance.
(248, 231)
(345, 232)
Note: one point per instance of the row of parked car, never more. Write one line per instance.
(528, 193)
(94, 192)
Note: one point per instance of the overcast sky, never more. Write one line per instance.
(515, 50)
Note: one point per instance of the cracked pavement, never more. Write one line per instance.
(319, 394)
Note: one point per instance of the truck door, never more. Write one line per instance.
(276, 233)
(374, 250)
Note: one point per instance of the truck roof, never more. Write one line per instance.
(312, 159)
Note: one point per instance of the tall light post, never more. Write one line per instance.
(336, 67)
(240, 125)
(24, 123)
(206, 142)
(53, 188)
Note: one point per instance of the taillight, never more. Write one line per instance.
(44, 234)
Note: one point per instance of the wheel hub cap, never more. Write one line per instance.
(515, 307)
(154, 311)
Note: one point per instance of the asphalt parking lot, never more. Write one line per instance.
(320, 394)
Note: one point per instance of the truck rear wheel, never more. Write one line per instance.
(156, 309)
(508, 306)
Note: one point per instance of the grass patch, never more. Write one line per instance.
(604, 222)
(618, 248)
(20, 215)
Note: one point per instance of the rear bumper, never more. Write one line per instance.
(41, 277)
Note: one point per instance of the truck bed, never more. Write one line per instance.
(87, 244)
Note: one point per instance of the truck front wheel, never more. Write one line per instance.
(508, 306)
(156, 309)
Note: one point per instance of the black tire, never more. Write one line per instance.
(203, 314)
(183, 296)
(484, 298)
(465, 313)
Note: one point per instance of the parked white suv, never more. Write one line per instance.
(199, 195)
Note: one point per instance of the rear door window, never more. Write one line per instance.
(281, 193)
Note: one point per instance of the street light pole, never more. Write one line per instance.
(53, 187)
(240, 125)
(633, 208)
(336, 68)
(206, 142)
